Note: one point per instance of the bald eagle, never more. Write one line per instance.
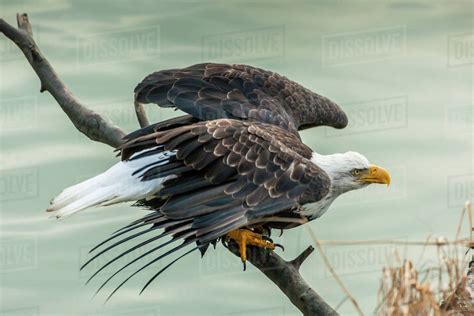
(233, 168)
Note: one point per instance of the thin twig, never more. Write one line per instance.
(458, 230)
(341, 302)
(302, 257)
(24, 24)
(141, 113)
(331, 269)
(469, 213)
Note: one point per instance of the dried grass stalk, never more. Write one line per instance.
(402, 293)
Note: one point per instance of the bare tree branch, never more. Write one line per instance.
(298, 261)
(284, 274)
(24, 24)
(141, 114)
(85, 120)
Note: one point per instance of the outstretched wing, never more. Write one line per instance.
(212, 91)
(221, 175)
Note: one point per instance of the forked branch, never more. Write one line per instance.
(284, 274)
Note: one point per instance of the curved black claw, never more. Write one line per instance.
(280, 246)
(245, 265)
(267, 238)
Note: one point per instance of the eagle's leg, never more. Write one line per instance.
(244, 237)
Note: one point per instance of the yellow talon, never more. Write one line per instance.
(244, 237)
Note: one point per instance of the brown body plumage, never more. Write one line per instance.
(254, 169)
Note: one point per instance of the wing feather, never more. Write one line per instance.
(212, 91)
(235, 159)
(227, 174)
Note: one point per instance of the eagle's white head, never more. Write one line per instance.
(350, 171)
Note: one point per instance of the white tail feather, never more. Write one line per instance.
(115, 185)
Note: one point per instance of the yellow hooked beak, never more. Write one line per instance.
(376, 174)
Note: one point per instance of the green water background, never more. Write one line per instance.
(402, 70)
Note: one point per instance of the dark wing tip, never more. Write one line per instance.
(341, 119)
(202, 90)
(322, 112)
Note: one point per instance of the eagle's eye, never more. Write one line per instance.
(355, 172)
